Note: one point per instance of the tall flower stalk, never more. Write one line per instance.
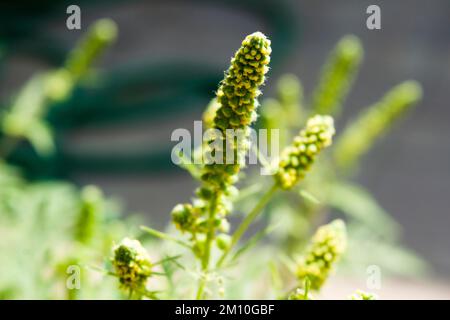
(326, 248)
(234, 113)
(204, 219)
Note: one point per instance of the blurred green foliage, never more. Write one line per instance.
(26, 117)
(46, 228)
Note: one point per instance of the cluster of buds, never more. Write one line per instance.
(234, 108)
(327, 246)
(296, 159)
(239, 90)
(337, 75)
(131, 265)
(99, 36)
(189, 218)
(237, 99)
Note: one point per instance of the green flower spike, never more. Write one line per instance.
(298, 158)
(361, 295)
(337, 76)
(131, 265)
(234, 108)
(100, 35)
(327, 246)
(237, 98)
(373, 122)
(26, 116)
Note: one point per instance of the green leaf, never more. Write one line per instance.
(359, 204)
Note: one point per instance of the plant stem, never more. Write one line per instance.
(207, 251)
(201, 288)
(247, 221)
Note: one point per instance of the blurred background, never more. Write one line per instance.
(166, 64)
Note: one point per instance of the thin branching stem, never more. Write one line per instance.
(207, 250)
(240, 231)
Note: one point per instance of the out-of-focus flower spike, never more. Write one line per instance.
(337, 76)
(99, 36)
(359, 137)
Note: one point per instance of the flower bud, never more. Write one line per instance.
(183, 216)
(131, 264)
(327, 246)
(223, 241)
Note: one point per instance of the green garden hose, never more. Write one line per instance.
(149, 92)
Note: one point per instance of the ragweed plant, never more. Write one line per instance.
(234, 109)
(337, 76)
(204, 241)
